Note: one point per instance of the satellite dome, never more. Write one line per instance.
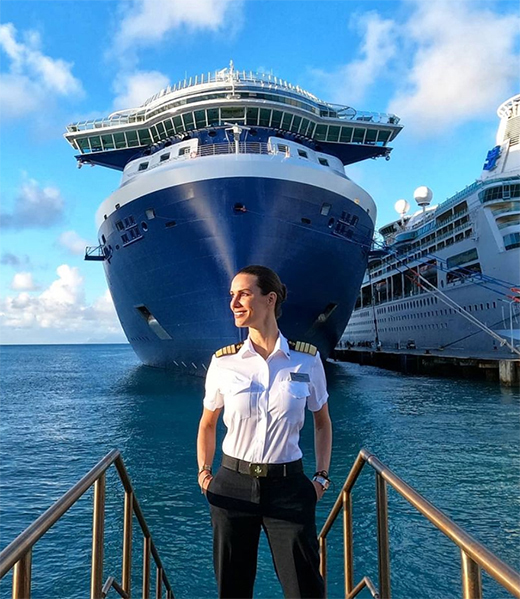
(402, 206)
(423, 195)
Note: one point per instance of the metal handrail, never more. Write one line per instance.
(474, 555)
(17, 554)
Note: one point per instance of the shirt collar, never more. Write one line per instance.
(281, 345)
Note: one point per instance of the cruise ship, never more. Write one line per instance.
(221, 171)
(448, 277)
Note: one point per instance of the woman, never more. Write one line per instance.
(264, 385)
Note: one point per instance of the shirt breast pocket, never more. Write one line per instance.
(237, 398)
(292, 400)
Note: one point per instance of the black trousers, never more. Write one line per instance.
(284, 507)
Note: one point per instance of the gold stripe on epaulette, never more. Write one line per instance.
(229, 350)
(302, 346)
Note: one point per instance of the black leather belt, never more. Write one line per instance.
(261, 470)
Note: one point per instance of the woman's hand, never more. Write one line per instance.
(319, 489)
(205, 478)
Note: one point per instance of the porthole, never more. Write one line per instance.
(144, 226)
(306, 221)
(331, 223)
(170, 224)
(117, 247)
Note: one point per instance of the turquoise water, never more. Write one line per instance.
(65, 407)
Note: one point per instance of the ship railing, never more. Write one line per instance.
(474, 556)
(18, 554)
(94, 252)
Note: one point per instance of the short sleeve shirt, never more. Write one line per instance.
(264, 401)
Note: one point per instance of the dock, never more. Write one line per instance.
(434, 362)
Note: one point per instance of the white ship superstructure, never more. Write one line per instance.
(468, 248)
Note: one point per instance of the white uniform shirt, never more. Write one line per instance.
(264, 407)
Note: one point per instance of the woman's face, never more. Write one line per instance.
(250, 308)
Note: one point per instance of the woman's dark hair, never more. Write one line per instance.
(268, 281)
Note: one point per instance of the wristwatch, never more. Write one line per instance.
(324, 482)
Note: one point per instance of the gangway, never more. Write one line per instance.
(474, 556)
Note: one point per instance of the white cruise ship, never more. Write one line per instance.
(448, 277)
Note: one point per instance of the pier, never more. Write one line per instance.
(434, 362)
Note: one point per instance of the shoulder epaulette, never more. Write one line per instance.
(303, 347)
(229, 350)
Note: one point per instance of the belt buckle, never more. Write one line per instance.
(258, 470)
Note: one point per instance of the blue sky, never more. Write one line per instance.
(443, 67)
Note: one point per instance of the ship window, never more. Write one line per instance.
(282, 148)
(306, 221)
(346, 134)
(161, 130)
(168, 124)
(95, 143)
(150, 213)
(108, 142)
(200, 118)
(383, 137)
(304, 126)
(323, 161)
(103, 239)
(252, 116)
(331, 223)
(124, 238)
(165, 157)
(487, 305)
(178, 124)
(213, 116)
(276, 119)
(296, 123)
(303, 154)
(144, 226)
(512, 241)
(170, 224)
(119, 140)
(131, 139)
(234, 112)
(359, 135)
(286, 121)
(333, 134)
(119, 226)
(143, 166)
(183, 151)
(371, 136)
(321, 132)
(188, 121)
(325, 209)
(144, 137)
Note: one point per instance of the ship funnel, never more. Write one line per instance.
(423, 196)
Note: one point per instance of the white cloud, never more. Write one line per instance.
(71, 241)
(350, 82)
(33, 77)
(59, 312)
(35, 207)
(464, 65)
(134, 89)
(146, 22)
(23, 281)
(449, 63)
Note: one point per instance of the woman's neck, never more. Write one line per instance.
(264, 338)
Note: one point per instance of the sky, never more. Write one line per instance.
(442, 66)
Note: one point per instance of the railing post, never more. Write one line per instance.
(382, 538)
(158, 583)
(127, 543)
(471, 581)
(323, 561)
(348, 543)
(22, 577)
(147, 546)
(98, 529)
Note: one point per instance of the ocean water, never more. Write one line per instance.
(64, 407)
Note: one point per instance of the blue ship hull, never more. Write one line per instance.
(170, 281)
